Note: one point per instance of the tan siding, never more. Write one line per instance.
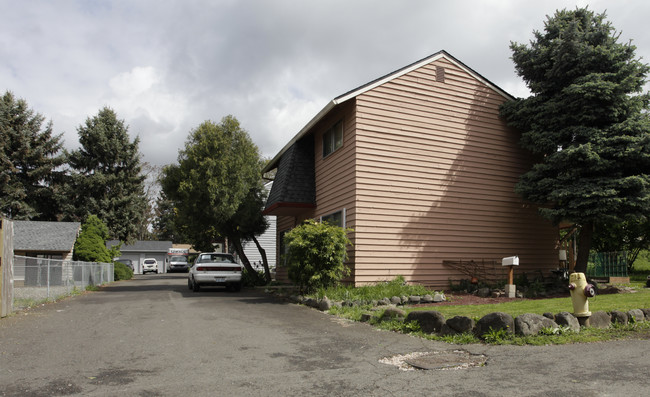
(436, 170)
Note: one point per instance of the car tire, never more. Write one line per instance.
(195, 287)
(235, 287)
(189, 284)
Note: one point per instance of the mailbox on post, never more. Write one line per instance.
(511, 262)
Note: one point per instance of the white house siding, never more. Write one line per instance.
(267, 241)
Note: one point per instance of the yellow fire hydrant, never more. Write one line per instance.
(580, 292)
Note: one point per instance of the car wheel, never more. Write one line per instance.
(235, 287)
(195, 287)
(189, 283)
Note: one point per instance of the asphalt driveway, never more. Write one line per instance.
(151, 336)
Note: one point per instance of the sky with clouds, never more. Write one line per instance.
(167, 66)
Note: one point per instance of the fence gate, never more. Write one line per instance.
(607, 264)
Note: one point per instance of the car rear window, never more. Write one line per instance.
(148, 262)
(216, 258)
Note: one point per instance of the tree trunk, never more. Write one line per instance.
(584, 246)
(247, 264)
(265, 261)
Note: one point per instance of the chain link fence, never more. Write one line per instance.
(41, 279)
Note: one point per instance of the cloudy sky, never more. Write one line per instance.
(167, 66)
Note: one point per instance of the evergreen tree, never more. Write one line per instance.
(106, 176)
(585, 122)
(30, 181)
(90, 246)
(165, 224)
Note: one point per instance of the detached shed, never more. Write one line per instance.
(43, 240)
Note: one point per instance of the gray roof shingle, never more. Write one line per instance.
(45, 236)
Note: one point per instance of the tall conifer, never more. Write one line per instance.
(106, 177)
(586, 121)
(30, 157)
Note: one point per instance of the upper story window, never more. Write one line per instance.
(333, 138)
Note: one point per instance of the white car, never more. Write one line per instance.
(216, 269)
(149, 265)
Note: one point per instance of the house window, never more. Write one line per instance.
(333, 138)
(336, 218)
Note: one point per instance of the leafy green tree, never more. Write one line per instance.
(106, 176)
(216, 187)
(91, 243)
(30, 181)
(631, 236)
(316, 255)
(585, 122)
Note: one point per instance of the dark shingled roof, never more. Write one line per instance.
(142, 246)
(295, 181)
(45, 236)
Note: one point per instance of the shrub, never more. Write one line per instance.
(122, 272)
(91, 243)
(249, 280)
(316, 255)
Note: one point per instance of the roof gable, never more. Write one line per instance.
(375, 83)
(45, 236)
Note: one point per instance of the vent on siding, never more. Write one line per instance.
(440, 74)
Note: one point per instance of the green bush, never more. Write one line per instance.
(316, 255)
(122, 272)
(91, 243)
(249, 280)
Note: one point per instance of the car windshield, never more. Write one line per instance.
(216, 258)
(178, 258)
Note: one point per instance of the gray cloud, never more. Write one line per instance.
(165, 67)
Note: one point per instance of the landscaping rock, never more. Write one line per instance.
(311, 302)
(483, 292)
(461, 324)
(414, 300)
(324, 304)
(427, 298)
(600, 319)
(338, 304)
(430, 321)
(530, 324)
(494, 321)
(549, 315)
(438, 297)
(496, 294)
(566, 319)
(396, 300)
(365, 317)
(393, 313)
(636, 315)
(404, 299)
(647, 314)
(619, 317)
(383, 302)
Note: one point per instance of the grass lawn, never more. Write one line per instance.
(623, 302)
(640, 299)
